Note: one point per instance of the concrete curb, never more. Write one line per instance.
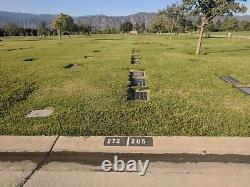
(162, 145)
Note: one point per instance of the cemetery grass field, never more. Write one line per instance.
(187, 97)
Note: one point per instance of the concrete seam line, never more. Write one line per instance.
(39, 164)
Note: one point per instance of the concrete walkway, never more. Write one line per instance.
(174, 161)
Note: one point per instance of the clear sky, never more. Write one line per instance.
(86, 7)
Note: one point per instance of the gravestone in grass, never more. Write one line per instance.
(245, 90)
(136, 56)
(30, 59)
(136, 50)
(136, 61)
(70, 66)
(40, 113)
(139, 82)
(138, 74)
(230, 79)
(142, 95)
(88, 57)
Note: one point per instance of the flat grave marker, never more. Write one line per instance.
(142, 95)
(40, 113)
(71, 66)
(138, 74)
(136, 61)
(245, 90)
(139, 82)
(30, 59)
(230, 79)
(136, 56)
(88, 57)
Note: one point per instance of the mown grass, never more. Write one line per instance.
(187, 97)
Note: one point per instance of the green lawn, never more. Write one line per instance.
(239, 33)
(186, 95)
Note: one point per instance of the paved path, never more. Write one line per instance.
(174, 161)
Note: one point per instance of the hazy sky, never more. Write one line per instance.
(86, 7)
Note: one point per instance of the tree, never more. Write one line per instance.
(11, 29)
(218, 26)
(230, 24)
(42, 30)
(1, 32)
(209, 9)
(126, 27)
(161, 24)
(141, 28)
(84, 29)
(176, 15)
(63, 23)
(244, 25)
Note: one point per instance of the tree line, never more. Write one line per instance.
(161, 24)
(175, 18)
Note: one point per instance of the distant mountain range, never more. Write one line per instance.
(99, 22)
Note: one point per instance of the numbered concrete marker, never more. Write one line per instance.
(140, 141)
(230, 79)
(115, 141)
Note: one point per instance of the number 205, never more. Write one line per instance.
(138, 141)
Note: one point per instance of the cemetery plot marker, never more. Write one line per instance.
(138, 74)
(88, 57)
(30, 59)
(245, 90)
(136, 50)
(72, 66)
(142, 95)
(136, 60)
(40, 113)
(230, 79)
(139, 82)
